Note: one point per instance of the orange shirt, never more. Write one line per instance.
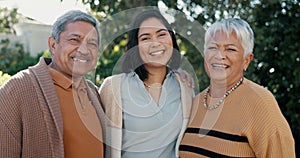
(82, 128)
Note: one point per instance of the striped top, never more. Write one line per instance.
(248, 124)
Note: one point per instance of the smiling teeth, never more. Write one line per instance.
(156, 53)
(220, 65)
(80, 60)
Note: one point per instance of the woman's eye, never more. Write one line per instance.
(231, 49)
(145, 38)
(163, 34)
(212, 48)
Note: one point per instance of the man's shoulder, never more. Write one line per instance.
(26, 78)
(21, 77)
(18, 85)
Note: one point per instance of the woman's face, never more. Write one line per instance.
(154, 43)
(224, 58)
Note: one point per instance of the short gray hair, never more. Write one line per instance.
(72, 16)
(240, 27)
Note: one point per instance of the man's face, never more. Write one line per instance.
(77, 51)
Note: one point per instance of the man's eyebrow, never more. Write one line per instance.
(79, 36)
(74, 35)
(94, 40)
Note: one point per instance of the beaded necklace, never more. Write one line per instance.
(216, 105)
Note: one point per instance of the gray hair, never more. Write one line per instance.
(72, 16)
(240, 27)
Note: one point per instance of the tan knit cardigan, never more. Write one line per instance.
(30, 117)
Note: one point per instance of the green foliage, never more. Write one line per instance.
(3, 77)
(13, 58)
(46, 53)
(110, 7)
(8, 19)
(12, 55)
(277, 62)
(109, 58)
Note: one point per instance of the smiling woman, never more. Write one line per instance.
(148, 106)
(225, 58)
(234, 117)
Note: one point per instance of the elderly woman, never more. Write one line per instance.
(234, 117)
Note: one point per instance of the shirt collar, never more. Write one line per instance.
(79, 85)
(60, 79)
(171, 72)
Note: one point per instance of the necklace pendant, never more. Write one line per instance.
(154, 85)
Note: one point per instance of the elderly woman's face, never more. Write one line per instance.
(224, 57)
(154, 43)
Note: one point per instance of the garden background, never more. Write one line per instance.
(276, 24)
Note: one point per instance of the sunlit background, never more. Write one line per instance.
(44, 11)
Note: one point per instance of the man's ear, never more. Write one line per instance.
(51, 44)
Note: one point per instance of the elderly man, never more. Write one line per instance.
(50, 109)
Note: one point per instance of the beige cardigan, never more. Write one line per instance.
(30, 117)
(110, 94)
